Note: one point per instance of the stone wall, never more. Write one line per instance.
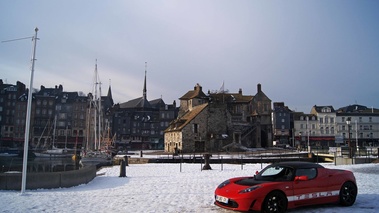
(48, 180)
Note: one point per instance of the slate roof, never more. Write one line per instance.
(319, 108)
(261, 96)
(140, 102)
(157, 102)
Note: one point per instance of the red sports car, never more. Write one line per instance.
(287, 185)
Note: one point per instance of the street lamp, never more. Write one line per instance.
(348, 120)
(308, 132)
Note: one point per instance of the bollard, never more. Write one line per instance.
(206, 163)
(122, 169)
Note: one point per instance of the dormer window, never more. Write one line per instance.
(326, 109)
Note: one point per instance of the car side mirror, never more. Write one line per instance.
(301, 178)
(256, 172)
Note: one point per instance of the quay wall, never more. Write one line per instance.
(48, 180)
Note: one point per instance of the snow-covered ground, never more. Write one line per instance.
(168, 188)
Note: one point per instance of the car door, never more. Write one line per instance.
(309, 190)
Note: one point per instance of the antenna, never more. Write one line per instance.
(17, 39)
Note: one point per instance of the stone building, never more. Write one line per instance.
(219, 121)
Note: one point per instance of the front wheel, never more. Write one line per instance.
(348, 194)
(275, 202)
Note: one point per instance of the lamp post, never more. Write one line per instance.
(348, 120)
(308, 132)
(356, 135)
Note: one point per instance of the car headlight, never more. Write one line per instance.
(249, 189)
(223, 184)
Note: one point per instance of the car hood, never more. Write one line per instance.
(250, 181)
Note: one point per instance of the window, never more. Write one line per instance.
(277, 173)
(370, 119)
(326, 109)
(309, 172)
(195, 128)
(331, 120)
(321, 120)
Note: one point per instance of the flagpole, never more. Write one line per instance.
(28, 112)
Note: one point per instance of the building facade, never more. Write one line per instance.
(9, 117)
(140, 124)
(220, 121)
(326, 127)
(359, 125)
(281, 121)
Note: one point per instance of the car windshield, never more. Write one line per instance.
(276, 173)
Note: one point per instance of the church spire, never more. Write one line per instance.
(110, 93)
(144, 85)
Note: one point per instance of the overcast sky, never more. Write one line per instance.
(303, 53)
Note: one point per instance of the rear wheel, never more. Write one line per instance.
(275, 202)
(348, 193)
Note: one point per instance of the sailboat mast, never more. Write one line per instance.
(100, 117)
(95, 107)
(55, 126)
(88, 126)
(65, 142)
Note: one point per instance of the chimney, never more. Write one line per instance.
(198, 87)
(259, 88)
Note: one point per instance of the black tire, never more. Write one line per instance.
(348, 193)
(275, 202)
